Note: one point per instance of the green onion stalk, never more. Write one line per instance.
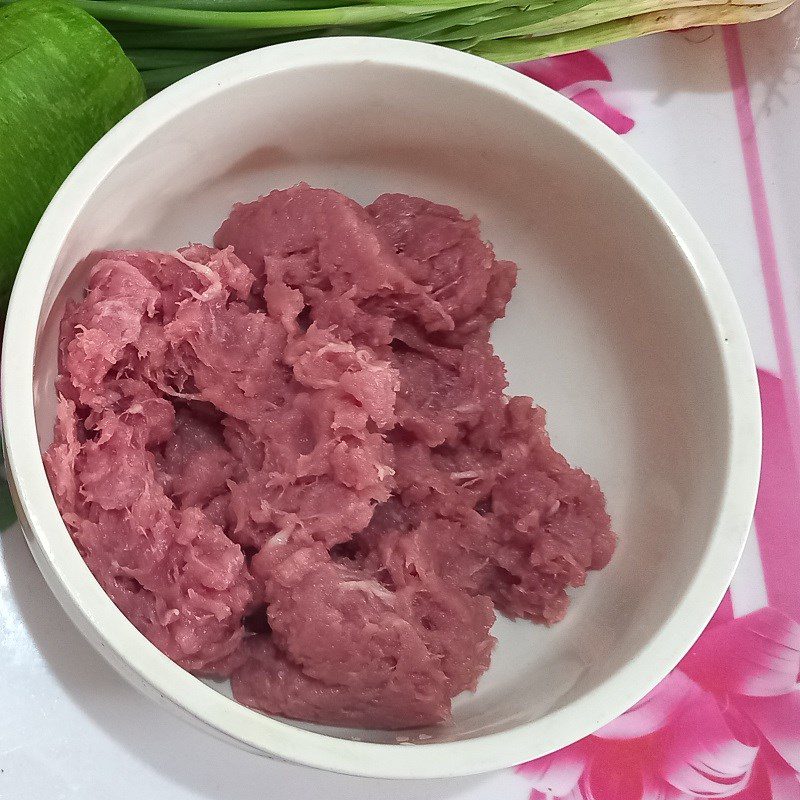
(169, 39)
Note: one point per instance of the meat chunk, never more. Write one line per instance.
(289, 459)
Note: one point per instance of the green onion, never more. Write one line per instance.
(523, 48)
(669, 15)
(429, 26)
(122, 11)
(168, 39)
(514, 22)
(200, 39)
(151, 58)
(157, 79)
(226, 6)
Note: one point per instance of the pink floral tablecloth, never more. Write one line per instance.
(717, 113)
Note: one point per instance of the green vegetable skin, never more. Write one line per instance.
(64, 81)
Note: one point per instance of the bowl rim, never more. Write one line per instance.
(105, 626)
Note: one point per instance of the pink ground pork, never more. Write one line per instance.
(290, 462)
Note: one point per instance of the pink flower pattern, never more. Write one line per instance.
(566, 71)
(724, 723)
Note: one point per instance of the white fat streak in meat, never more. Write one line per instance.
(384, 470)
(368, 365)
(465, 476)
(370, 587)
(281, 537)
(336, 347)
(450, 285)
(278, 539)
(215, 284)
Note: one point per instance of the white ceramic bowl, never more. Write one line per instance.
(623, 326)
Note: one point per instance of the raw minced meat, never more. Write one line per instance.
(290, 461)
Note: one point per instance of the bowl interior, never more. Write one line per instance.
(607, 328)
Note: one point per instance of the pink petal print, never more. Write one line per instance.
(709, 753)
(757, 655)
(626, 776)
(652, 711)
(558, 72)
(557, 774)
(724, 612)
(605, 781)
(777, 520)
(784, 782)
(778, 719)
(593, 102)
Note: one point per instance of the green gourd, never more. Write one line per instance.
(64, 81)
